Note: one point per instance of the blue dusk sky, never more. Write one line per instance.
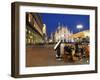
(71, 21)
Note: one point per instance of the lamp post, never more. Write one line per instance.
(79, 27)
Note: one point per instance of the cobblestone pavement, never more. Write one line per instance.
(44, 56)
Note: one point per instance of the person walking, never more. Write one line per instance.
(57, 49)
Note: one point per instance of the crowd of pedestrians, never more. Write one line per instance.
(74, 50)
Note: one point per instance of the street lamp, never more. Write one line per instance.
(79, 27)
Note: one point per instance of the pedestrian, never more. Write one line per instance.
(62, 48)
(57, 49)
(76, 48)
(83, 51)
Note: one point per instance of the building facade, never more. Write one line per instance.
(61, 33)
(44, 33)
(83, 36)
(34, 25)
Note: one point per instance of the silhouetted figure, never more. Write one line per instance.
(57, 48)
(76, 48)
(83, 51)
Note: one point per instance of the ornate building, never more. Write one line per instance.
(61, 33)
(83, 36)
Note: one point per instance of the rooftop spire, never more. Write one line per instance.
(58, 23)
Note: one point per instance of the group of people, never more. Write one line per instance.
(74, 50)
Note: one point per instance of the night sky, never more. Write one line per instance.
(69, 20)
